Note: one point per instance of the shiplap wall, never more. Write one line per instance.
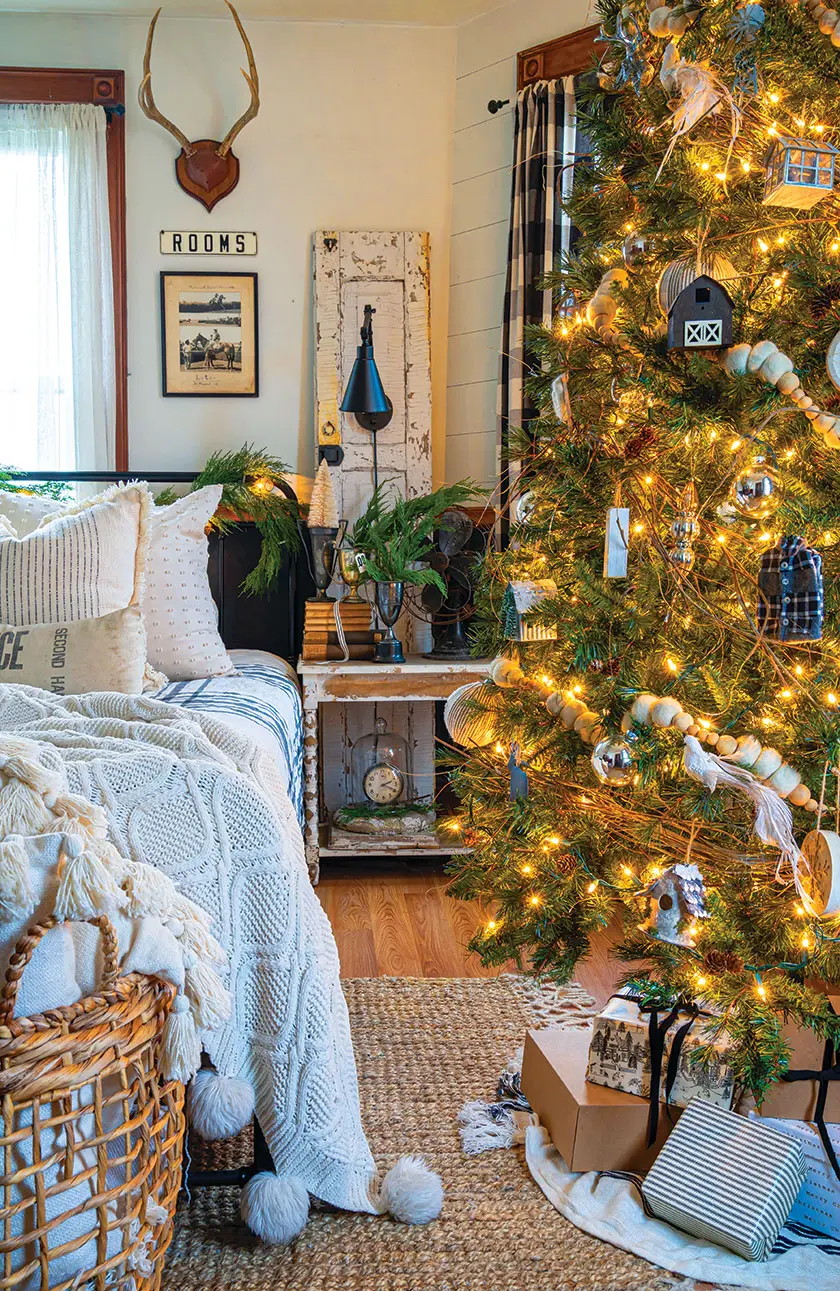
(487, 49)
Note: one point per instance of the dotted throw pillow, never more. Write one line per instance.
(182, 631)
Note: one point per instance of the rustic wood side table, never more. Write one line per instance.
(415, 680)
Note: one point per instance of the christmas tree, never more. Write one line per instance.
(660, 736)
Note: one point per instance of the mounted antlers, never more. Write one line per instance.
(205, 168)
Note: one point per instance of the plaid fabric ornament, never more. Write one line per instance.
(790, 582)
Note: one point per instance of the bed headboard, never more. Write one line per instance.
(272, 622)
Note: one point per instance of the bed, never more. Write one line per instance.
(202, 780)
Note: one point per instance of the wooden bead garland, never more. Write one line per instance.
(766, 360)
(665, 711)
(828, 20)
(603, 307)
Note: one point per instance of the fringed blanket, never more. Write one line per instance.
(204, 805)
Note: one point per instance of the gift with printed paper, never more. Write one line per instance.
(726, 1179)
(656, 1052)
(818, 1203)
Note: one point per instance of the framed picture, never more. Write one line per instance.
(209, 333)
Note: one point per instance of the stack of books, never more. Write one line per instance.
(320, 634)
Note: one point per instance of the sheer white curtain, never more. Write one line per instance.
(57, 375)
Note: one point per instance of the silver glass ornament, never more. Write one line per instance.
(684, 529)
(757, 490)
(614, 763)
(634, 249)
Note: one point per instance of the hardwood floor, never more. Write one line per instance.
(397, 921)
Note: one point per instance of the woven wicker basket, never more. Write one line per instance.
(91, 1135)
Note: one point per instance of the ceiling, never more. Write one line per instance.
(430, 13)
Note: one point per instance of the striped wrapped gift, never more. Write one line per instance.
(726, 1179)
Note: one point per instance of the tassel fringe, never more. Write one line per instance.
(180, 1052)
(211, 1004)
(16, 895)
(85, 887)
(203, 945)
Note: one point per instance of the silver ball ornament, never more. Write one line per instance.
(757, 490)
(634, 249)
(614, 763)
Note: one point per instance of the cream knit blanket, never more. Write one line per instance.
(203, 804)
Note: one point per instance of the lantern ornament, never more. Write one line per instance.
(798, 172)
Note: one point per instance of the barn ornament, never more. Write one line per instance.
(701, 317)
(207, 169)
(677, 897)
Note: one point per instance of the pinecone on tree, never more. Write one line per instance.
(723, 961)
(634, 447)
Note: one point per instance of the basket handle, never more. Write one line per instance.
(25, 949)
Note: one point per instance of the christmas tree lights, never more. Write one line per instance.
(709, 187)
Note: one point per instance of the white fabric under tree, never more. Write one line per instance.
(57, 369)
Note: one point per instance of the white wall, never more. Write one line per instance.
(355, 132)
(487, 49)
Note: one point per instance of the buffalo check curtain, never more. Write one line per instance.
(543, 161)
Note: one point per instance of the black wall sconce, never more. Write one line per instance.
(365, 395)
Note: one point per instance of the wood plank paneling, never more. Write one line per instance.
(483, 147)
(481, 201)
(476, 304)
(474, 356)
(478, 252)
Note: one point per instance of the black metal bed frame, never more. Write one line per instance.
(271, 622)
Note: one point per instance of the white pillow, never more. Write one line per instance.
(182, 634)
(26, 511)
(108, 653)
(82, 563)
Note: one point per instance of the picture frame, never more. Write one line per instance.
(209, 327)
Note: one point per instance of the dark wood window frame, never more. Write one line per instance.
(566, 56)
(107, 90)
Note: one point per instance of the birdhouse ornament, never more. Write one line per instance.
(677, 897)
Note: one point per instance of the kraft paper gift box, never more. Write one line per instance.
(592, 1127)
(726, 1179)
(796, 1100)
(625, 1038)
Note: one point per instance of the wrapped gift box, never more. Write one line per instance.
(797, 1100)
(620, 1055)
(592, 1127)
(726, 1179)
(818, 1203)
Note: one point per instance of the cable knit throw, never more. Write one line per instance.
(202, 804)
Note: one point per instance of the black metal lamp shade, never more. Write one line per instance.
(365, 395)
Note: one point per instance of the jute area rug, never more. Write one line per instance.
(423, 1047)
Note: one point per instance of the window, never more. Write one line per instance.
(62, 266)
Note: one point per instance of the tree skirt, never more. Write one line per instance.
(423, 1048)
(611, 1209)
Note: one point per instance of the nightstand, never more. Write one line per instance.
(416, 680)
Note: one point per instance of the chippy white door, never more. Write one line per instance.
(389, 271)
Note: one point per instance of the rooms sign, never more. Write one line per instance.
(215, 243)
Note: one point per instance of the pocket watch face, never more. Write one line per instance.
(383, 783)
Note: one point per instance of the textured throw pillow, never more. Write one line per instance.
(182, 635)
(26, 511)
(73, 658)
(84, 562)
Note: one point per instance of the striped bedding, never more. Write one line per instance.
(261, 701)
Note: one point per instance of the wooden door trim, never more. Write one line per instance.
(565, 56)
(106, 89)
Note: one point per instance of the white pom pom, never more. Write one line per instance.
(411, 1192)
(275, 1209)
(220, 1106)
(180, 1050)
